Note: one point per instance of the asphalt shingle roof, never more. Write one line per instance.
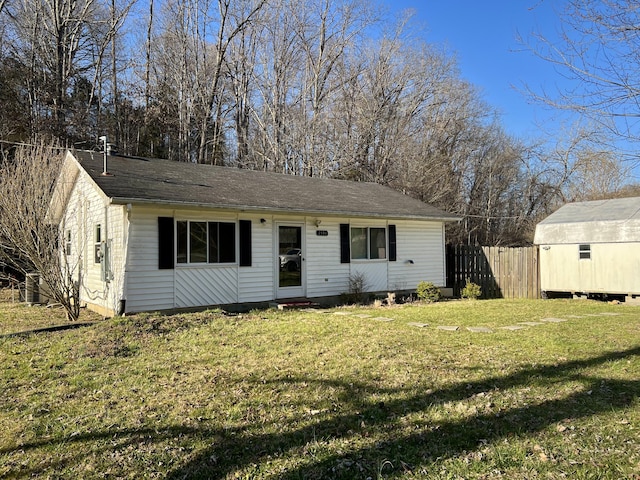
(167, 182)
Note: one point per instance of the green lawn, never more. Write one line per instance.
(304, 395)
(17, 317)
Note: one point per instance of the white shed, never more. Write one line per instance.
(154, 234)
(591, 248)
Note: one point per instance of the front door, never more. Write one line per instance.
(290, 261)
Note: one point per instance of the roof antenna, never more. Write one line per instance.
(103, 139)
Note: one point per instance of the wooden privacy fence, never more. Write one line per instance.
(501, 272)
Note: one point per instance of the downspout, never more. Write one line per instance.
(105, 258)
(122, 302)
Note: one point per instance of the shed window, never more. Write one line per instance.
(585, 252)
(205, 242)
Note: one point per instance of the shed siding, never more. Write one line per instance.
(613, 268)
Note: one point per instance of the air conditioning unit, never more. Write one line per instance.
(32, 288)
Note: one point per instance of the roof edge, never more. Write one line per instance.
(252, 208)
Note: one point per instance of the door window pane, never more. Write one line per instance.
(290, 256)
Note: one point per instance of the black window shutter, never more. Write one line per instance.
(245, 243)
(392, 243)
(345, 246)
(165, 243)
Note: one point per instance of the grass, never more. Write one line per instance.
(17, 317)
(303, 395)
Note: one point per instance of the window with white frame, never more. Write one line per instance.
(368, 243)
(67, 242)
(205, 242)
(97, 240)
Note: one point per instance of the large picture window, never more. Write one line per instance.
(368, 243)
(205, 242)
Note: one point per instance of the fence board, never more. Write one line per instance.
(501, 272)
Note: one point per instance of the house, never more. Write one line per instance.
(146, 234)
(591, 248)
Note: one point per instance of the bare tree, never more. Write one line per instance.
(387, 107)
(327, 31)
(599, 174)
(52, 39)
(241, 67)
(279, 60)
(231, 22)
(597, 51)
(28, 241)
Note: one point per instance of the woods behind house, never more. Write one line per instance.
(331, 88)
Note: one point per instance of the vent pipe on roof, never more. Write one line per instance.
(106, 150)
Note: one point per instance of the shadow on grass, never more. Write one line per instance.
(232, 449)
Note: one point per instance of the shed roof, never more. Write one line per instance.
(154, 181)
(598, 221)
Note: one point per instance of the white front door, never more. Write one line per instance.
(290, 261)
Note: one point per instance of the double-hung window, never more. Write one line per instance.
(205, 242)
(368, 243)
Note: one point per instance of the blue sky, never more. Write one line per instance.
(483, 34)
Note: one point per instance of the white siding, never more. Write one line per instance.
(419, 241)
(612, 268)
(325, 274)
(147, 287)
(376, 272)
(86, 208)
(256, 283)
(206, 285)
(115, 233)
(423, 243)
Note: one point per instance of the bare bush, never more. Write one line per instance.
(29, 242)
